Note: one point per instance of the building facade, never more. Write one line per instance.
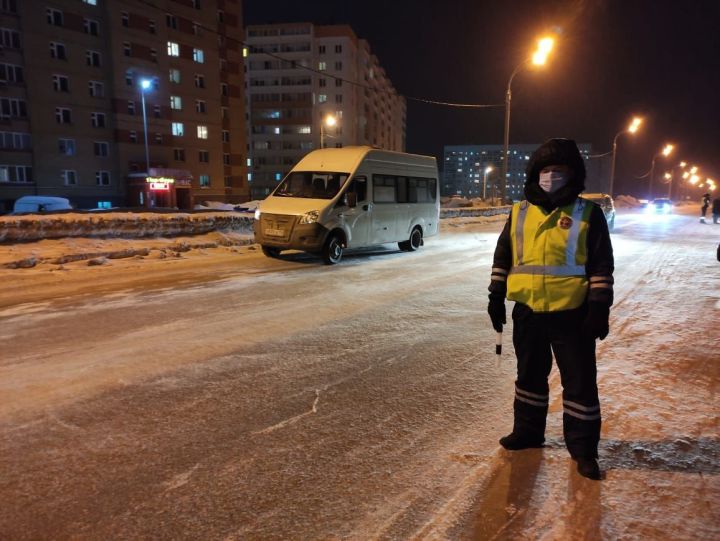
(464, 168)
(74, 84)
(300, 74)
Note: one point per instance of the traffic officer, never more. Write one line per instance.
(555, 260)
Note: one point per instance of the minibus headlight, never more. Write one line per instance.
(310, 217)
(257, 214)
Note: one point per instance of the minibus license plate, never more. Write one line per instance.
(275, 232)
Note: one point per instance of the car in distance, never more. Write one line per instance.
(662, 205)
(606, 204)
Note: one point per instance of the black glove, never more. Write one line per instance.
(496, 309)
(596, 323)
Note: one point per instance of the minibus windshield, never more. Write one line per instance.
(311, 185)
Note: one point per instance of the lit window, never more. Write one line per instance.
(178, 129)
(173, 49)
(202, 132)
(304, 129)
(175, 76)
(204, 181)
(198, 56)
(176, 102)
(322, 66)
(249, 162)
(90, 2)
(322, 98)
(278, 176)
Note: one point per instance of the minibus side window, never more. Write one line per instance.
(383, 189)
(402, 189)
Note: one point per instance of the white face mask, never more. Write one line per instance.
(552, 181)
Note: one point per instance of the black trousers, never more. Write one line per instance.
(536, 336)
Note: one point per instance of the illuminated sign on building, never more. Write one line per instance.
(159, 183)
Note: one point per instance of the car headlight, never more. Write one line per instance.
(257, 214)
(310, 217)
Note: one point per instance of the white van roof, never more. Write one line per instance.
(347, 159)
(42, 199)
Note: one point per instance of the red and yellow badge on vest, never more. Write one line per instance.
(565, 222)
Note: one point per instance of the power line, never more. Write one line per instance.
(295, 65)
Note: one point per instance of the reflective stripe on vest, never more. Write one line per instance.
(551, 276)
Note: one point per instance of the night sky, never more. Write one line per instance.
(614, 59)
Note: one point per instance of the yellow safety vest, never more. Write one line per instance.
(549, 255)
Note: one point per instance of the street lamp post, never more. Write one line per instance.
(539, 58)
(145, 85)
(328, 121)
(634, 125)
(666, 151)
(487, 170)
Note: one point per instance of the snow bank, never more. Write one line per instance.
(626, 202)
(467, 212)
(119, 224)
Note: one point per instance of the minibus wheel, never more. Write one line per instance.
(333, 250)
(271, 251)
(413, 243)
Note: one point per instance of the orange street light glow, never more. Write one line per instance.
(545, 45)
(635, 124)
(330, 120)
(693, 170)
(683, 164)
(668, 150)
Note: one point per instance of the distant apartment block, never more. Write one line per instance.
(72, 121)
(464, 169)
(287, 104)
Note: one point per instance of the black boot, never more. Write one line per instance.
(589, 467)
(515, 442)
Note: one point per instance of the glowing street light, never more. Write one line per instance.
(683, 164)
(632, 128)
(539, 58)
(694, 179)
(145, 85)
(487, 170)
(328, 121)
(666, 151)
(693, 170)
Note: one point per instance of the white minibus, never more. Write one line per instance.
(352, 197)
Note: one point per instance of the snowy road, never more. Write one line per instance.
(230, 396)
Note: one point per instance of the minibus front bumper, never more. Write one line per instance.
(284, 232)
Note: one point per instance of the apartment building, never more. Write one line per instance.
(298, 75)
(464, 168)
(74, 83)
